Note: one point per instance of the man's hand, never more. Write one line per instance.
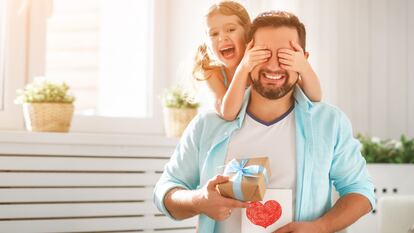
(302, 227)
(294, 60)
(255, 55)
(209, 201)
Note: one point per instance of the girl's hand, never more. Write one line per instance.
(293, 60)
(254, 56)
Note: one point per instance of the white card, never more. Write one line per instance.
(274, 212)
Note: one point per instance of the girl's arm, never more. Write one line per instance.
(233, 98)
(296, 60)
(309, 82)
(215, 84)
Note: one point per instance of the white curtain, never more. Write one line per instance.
(362, 51)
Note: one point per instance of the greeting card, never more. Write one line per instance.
(270, 214)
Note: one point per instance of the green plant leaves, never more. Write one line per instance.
(177, 97)
(376, 150)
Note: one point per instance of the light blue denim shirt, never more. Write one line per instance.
(326, 154)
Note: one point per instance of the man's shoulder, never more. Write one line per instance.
(326, 108)
(210, 117)
(326, 112)
(210, 120)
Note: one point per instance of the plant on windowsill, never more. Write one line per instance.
(47, 106)
(179, 109)
(376, 150)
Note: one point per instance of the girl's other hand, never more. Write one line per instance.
(293, 60)
(255, 55)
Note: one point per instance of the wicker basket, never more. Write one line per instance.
(177, 119)
(48, 117)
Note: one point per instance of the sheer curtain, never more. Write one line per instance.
(362, 51)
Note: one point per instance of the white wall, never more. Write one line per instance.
(362, 51)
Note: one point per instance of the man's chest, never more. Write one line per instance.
(277, 141)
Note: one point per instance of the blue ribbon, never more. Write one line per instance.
(240, 170)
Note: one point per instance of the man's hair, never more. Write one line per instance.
(279, 19)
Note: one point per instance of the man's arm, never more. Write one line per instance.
(176, 193)
(182, 204)
(346, 211)
(350, 178)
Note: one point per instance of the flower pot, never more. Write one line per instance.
(48, 117)
(177, 119)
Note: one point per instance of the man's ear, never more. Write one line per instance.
(307, 55)
(250, 44)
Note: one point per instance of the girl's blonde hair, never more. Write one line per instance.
(202, 60)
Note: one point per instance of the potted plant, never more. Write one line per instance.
(376, 150)
(179, 109)
(47, 106)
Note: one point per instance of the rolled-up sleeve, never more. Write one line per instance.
(349, 171)
(182, 170)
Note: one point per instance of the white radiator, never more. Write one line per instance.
(82, 193)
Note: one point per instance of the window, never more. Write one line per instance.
(103, 49)
(2, 42)
(13, 28)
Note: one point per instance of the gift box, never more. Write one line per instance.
(248, 179)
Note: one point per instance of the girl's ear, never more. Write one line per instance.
(307, 55)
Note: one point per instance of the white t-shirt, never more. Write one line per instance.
(276, 140)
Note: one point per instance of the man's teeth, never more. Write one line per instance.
(277, 77)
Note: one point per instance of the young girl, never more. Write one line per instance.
(228, 25)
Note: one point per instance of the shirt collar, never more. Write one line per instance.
(301, 100)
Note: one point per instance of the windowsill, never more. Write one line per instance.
(91, 139)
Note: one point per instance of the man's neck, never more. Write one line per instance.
(268, 110)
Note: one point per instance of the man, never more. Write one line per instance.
(310, 146)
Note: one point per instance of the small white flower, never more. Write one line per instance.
(398, 145)
(375, 140)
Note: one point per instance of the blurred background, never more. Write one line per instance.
(118, 57)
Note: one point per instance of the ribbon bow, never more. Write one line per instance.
(240, 170)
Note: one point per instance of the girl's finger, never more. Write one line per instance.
(259, 47)
(285, 61)
(260, 55)
(286, 67)
(287, 51)
(258, 62)
(285, 56)
(296, 46)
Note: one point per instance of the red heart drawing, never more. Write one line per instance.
(264, 215)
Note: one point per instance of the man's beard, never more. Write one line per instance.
(272, 93)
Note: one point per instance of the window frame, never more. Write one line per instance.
(14, 62)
